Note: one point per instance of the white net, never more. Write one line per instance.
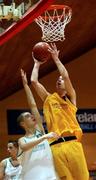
(53, 25)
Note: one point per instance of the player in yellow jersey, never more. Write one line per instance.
(60, 115)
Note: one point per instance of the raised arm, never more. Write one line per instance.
(40, 89)
(64, 73)
(31, 101)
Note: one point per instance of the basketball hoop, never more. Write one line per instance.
(53, 22)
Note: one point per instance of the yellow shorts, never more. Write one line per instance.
(70, 161)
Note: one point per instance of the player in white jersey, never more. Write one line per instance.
(37, 161)
(10, 168)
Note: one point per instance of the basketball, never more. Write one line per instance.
(40, 51)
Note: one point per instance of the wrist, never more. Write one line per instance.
(44, 137)
(37, 64)
(56, 59)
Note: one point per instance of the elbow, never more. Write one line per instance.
(66, 75)
(34, 82)
(24, 148)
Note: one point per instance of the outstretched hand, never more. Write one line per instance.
(53, 50)
(52, 135)
(24, 77)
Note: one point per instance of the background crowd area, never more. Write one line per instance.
(13, 10)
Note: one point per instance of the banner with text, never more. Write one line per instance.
(87, 119)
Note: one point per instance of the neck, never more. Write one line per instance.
(30, 131)
(14, 158)
(61, 92)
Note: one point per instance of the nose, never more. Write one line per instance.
(8, 150)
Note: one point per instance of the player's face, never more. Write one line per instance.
(29, 120)
(12, 150)
(60, 83)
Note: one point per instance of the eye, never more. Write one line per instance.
(10, 147)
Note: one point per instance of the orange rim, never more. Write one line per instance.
(58, 6)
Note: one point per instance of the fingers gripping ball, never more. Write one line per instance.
(40, 51)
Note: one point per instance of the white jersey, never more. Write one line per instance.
(11, 172)
(37, 163)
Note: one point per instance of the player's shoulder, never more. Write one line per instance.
(6, 159)
(21, 139)
(3, 163)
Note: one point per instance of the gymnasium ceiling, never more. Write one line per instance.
(15, 54)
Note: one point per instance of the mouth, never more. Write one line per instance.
(59, 84)
(34, 120)
(9, 153)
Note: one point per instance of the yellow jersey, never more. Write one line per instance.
(60, 116)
